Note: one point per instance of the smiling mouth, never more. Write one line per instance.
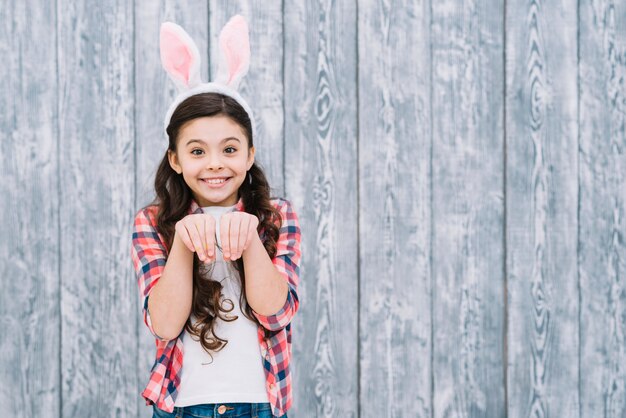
(216, 181)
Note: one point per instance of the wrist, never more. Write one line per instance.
(180, 245)
(255, 245)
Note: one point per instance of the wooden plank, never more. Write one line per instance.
(394, 209)
(541, 197)
(263, 86)
(29, 301)
(602, 205)
(154, 93)
(467, 208)
(96, 134)
(321, 181)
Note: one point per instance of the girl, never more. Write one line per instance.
(217, 259)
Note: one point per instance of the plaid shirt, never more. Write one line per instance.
(149, 256)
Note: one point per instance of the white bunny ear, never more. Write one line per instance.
(179, 56)
(234, 57)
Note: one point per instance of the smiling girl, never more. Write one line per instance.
(216, 258)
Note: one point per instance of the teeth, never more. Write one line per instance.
(215, 181)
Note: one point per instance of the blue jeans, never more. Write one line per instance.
(218, 410)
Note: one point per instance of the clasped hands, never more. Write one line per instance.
(198, 233)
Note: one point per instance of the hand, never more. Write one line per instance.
(237, 229)
(197, 231)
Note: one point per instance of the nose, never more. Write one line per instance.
(215, 163)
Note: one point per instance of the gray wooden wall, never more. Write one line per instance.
(459, 169)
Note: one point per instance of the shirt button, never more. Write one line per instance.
(272, 386)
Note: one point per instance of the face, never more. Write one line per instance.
(212, 147)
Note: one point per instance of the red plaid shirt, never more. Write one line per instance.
(149, 256)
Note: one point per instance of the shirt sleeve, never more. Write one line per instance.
(287, 262)
(149, 256)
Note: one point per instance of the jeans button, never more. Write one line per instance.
(221, 409)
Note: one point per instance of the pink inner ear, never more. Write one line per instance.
(176, 56)
(234, 60)
(235, 45)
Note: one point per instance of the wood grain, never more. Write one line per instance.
(542, 196)
(468, 209)
(602, 208)
(321, 179)
(458, 171)
(30, 319)
(96, 144)
(394, 209)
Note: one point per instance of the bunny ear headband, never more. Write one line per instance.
(181, 61)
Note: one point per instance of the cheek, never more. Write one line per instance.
(239, 167)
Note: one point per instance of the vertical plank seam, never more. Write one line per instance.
(134, 69)
(209, 61)
(58, 161)
(282, 69)
(505, 327)
(358, 217)
(431, 232)
(578, 200)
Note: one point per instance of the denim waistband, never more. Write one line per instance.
(215, 410)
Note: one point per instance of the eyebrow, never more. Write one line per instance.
(221, 142)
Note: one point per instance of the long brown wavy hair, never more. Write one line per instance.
(173, 198)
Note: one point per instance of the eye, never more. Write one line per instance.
(193, 151)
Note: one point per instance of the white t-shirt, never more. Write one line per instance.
(236, 372)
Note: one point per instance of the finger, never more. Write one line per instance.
(197, 241)
(207, 237)
(184, 236)
(212, 239)
(243, 235)
(235, 227)
(224, 237)
(251, 231)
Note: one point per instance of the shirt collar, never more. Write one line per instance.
(196, 208)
